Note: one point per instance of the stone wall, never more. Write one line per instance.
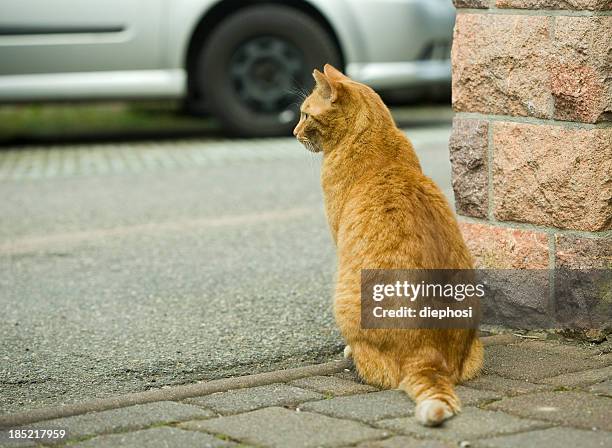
(531, 147)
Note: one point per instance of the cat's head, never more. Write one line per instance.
(337, 106)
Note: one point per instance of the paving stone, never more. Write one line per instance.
(604, 388)
(123, 419)
(552, 437)
(567, 407)
(473, 397)
(249, 399)
(404, 442)
(332, 385)
(498, 339)
(283, 428)
(472, 423)
(580, 378)
(606, 357)
(536, 360)
(350, 375)
(157, 438)
(506, 386)
(366, 407)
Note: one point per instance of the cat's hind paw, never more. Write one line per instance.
(348, 352)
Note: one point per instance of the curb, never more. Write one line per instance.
(176, 393)
(171, 393)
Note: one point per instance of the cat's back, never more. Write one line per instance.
(397, 217)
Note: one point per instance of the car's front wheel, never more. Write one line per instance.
(254, 65)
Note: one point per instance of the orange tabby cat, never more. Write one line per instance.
(384, 213)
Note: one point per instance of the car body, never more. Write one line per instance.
(134, 49)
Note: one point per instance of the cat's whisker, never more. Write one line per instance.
(299, 89)
(299, 92)
(311, 146)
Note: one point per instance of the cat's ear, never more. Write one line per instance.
(329, 88)
(333, 74)
(322, 84)
(335, 78)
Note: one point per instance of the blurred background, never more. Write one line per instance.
(245, 64)
(158, 224)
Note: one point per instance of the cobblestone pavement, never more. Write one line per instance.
(532, 393)
(64, 161)
(46, 162)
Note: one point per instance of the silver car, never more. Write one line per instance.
(245, 61)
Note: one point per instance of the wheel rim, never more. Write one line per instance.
(264, 72)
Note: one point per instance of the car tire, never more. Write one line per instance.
(256, 64)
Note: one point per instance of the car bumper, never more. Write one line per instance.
(390, 75)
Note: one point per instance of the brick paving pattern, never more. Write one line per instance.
(65, 161)
(531, 394)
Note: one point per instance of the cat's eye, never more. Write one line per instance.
(304, 116)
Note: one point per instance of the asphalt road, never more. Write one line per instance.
(129, 267)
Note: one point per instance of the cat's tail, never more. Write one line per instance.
(433, 392)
